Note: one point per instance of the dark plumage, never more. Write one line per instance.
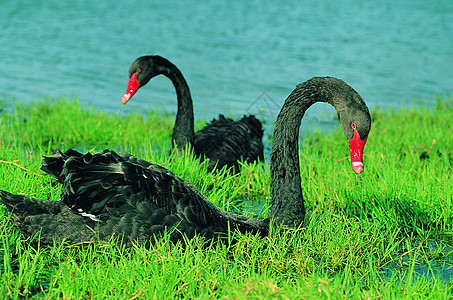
(109, 194)
(223, 141)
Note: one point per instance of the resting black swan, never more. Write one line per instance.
(223, 141)
(109, 194)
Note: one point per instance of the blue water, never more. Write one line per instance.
(231, 53)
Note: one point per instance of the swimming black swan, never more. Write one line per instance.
(109, 194)
(223, 141)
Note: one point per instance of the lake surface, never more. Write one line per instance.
(237, 56)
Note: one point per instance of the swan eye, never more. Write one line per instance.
(353, 125)
(138, 71)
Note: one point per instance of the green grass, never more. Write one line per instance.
(384, 234)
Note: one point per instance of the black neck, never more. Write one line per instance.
(287, 200)
(183, 130)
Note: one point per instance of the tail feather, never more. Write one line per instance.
(52, 219)
(24, 211)
(10, 200)
(225, 142)
(53, 164)
(18, 205)
(254, 125)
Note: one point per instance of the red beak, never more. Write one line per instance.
(356, 148)
(132, 87)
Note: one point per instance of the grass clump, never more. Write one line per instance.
(384, 234)
(61, 123)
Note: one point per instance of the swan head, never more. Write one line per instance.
(356, 145)
(356, 125)
(141, 71)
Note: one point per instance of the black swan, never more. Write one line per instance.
(109, 194)
(224, 141)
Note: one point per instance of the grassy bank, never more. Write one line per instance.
(385, 234)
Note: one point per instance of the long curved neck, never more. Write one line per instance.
(287, 200)
(184, 128)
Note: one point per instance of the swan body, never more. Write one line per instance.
(223, 141)
(119, 194)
